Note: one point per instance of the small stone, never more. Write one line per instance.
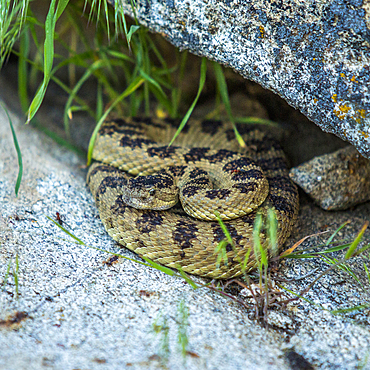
(335, 181)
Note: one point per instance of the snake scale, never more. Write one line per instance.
(256, 179)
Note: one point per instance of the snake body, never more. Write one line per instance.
(247, 181)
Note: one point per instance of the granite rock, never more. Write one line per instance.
(313, 54)
(337, 180)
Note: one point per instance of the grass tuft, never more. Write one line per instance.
(162, 329)
(13, 16)
(182, 326)
(202, 80)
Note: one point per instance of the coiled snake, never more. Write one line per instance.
(243, 184)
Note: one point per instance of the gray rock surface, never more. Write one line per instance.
(76, 308)
(335, 181)
(313, 54)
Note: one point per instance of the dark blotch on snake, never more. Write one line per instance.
(101, 168)
(160, 181)
(250, 174)
(107, 183)
(219, 235)
(176, 123)
(230, 135)
(249, 218)
(126, 141)
(162, 151)
(281, 204)
(237, 164)
(244, 176)
(264, 145)
(119, 207)
(282, 183)
(185, 231)
(123, 122)
(130, 132)
(272, 164)
(199, 181)
(108, 130)
(217, 193)
(108, 224)
(245, 188)
(145, 120)
(195, 154)
(243, 129)
(175, 170)
(220, 156)
(211, 127)
(190, 190)
(196, 172)
(148, 221)
(140, 243)
(117, 125)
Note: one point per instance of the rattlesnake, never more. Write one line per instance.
(171, 237)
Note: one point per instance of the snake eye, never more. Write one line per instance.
(152, 192)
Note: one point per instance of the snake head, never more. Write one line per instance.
(156, 192)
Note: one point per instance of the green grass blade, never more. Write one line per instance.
(186, 278)
(246, 260)
(152, 81)
(340, 265)
(259, 251)
(361, 250)
(256, 120)
(334, 249)
(79, 241)
(159, 267)
(16, 275)
(367, 272)
(50, 23)
(134, 85)
(19, 154)
(222, 87)
(221, 253)
(99, 101)
(60, 9)
(132, 30)
(272, 226)
(119, 55)
(300, 256)
(332, 236)
(224, 229)
(203, 70)
(97, 64)
(357, 240)
(350, 309)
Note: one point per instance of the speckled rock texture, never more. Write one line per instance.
(64, 305)
(313, 54)
(337, 180)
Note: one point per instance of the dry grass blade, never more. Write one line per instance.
(297, 244)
